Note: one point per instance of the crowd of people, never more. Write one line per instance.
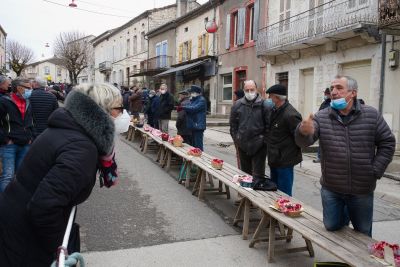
(355, 146)
(50, 155)
(157, 106)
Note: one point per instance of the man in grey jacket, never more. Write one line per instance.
(356, 147)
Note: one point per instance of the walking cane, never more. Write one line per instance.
(74, 258)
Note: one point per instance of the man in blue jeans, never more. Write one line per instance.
(356, 147)
(283, 153)
(16, 129)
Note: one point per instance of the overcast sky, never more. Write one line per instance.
(37, 22)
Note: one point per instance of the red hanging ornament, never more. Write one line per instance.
(211, 26)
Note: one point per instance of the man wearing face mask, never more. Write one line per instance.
(16, 132)
(248, 127)
(356, 147)
(165, 108)
(283, 153)
(196, 115)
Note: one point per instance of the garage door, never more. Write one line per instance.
(361, 71)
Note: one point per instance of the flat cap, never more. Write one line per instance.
(277, 89)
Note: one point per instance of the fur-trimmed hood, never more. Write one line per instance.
(95, 121)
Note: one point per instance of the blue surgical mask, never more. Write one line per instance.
(270, 103)
(27, 93)
(326, 97)
(339, 104)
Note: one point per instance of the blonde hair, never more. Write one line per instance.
(105, 95)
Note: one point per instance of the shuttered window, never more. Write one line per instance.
(241, 26)
(228, 31)
(256, 19)
(180, 53)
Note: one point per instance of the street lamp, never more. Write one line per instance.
(72, 4)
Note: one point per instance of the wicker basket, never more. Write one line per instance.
(216, 165)
(177, 142)
(294, 213)
(194, 154)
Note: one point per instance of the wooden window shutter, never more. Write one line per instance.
(256, 23)
(228, 31)
(180, 55)
(206, 48)
(199, 45)
(241, 25)
(189, 56)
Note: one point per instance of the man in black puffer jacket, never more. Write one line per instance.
(43, 104)
(248, 127)
(356, 147)
(283, 153)
(16, 131)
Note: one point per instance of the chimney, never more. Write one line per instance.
(181, 6)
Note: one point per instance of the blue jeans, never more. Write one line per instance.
(339, 209)
(283, 177)
(197, 139)
(12, 158)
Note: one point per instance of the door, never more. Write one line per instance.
(306, 102)
(361, 72)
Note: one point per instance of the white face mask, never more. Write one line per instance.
(194, 94)
(163, 91)
(250, 95)
(122, 122)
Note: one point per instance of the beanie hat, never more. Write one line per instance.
(195, 89)
(277, 89)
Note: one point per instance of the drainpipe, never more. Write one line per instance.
(382, 81)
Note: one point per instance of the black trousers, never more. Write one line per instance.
(254, 164)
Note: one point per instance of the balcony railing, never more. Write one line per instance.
(156, 63)
(389, 13)
(326, 20)
(105, 66)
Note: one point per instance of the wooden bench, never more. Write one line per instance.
(346, 244)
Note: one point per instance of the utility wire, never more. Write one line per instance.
(100, 5)
(90, 11)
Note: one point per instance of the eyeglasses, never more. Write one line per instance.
(121, 108)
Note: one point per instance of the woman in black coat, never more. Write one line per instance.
(58, 173)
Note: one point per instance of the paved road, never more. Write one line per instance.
(149, 214)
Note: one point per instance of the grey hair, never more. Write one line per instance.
(40, 81)
(105, 95)
(3, 78)
(281, 97)
(351, 82)
(17, 82)
(250, 81)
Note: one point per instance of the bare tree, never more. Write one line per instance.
(18, 56)
(76, 51)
